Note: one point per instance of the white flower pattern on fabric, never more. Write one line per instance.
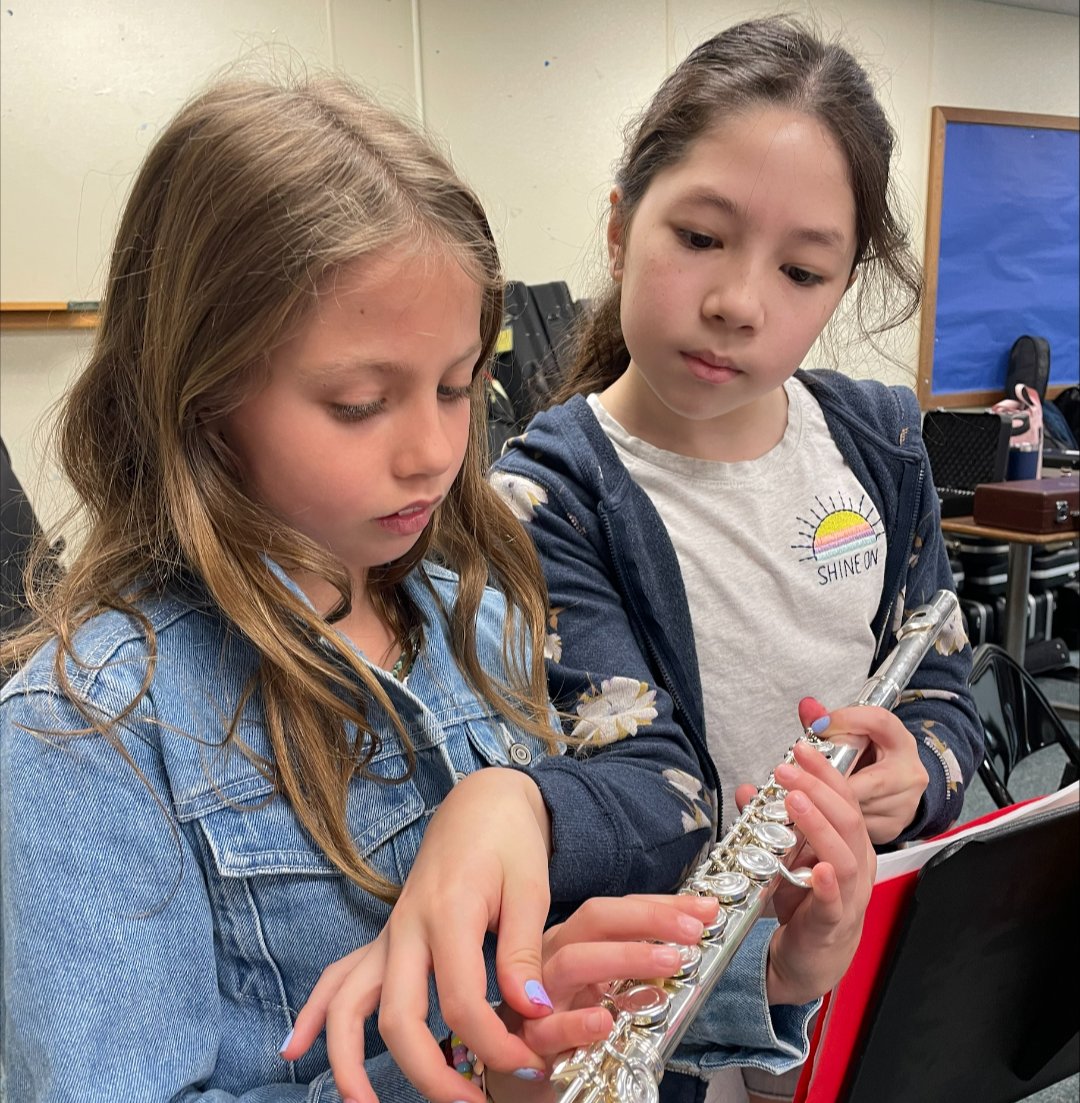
(693, 792)
(953, 634)
(621, 706)
(928, 695)
(553, 641)
(520, 494)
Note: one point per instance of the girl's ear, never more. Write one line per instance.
(615, 236)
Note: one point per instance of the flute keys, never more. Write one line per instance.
(776, 837)
(775, 811)
(729, 887)
(635, 1084)
(645, 1004)
(715, 930)
(757, 863)
(690, 962)
(801, 878)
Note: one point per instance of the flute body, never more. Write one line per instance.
(742, 871)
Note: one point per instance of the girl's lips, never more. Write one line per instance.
(706, 372)
(409, 521)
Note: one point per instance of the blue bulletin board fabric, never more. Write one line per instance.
(1009, 253)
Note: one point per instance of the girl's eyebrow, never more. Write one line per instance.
(827, 236)
(351, 365)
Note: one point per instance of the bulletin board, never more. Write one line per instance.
(1002, 251)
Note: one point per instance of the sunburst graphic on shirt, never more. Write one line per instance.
(839, 526)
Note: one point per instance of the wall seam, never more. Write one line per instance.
(669, 39)
(418, 62)
(332, 39)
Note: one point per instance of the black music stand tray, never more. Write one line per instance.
(979, 1000)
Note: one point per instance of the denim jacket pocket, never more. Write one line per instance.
(261, 835)
(271, 886)
(261, 839)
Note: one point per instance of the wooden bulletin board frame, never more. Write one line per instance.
(1002, 252)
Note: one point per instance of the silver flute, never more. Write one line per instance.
(741, 871)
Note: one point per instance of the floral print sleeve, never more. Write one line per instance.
(615, 712)
(630, 809)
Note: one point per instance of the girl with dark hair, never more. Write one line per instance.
(720, 530)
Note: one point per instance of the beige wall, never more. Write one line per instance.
(531, 96)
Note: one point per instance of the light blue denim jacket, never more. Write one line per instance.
(162, 924)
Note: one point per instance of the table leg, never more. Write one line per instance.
(1016, 603)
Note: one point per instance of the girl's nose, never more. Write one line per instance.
(735, 299)
(425, 447)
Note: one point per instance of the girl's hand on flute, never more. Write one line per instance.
(482, 866)
(820, 929)
(889, 779)
(602, 942)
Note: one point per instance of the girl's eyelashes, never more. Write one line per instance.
(801, 277)
(699, 242)
(360, 411)
(693, 240)
(357, 412)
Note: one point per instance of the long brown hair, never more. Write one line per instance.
(762, 62)
(248, 202)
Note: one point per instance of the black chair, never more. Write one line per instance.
(1017, 720)
(19, 532)
(537, 321)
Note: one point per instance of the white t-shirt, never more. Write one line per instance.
(783, 560)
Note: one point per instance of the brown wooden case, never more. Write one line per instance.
(1030, 505)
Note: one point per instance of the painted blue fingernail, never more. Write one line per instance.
(285, 1043)
(537, 996)
(820, 724)
(530, 1074)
